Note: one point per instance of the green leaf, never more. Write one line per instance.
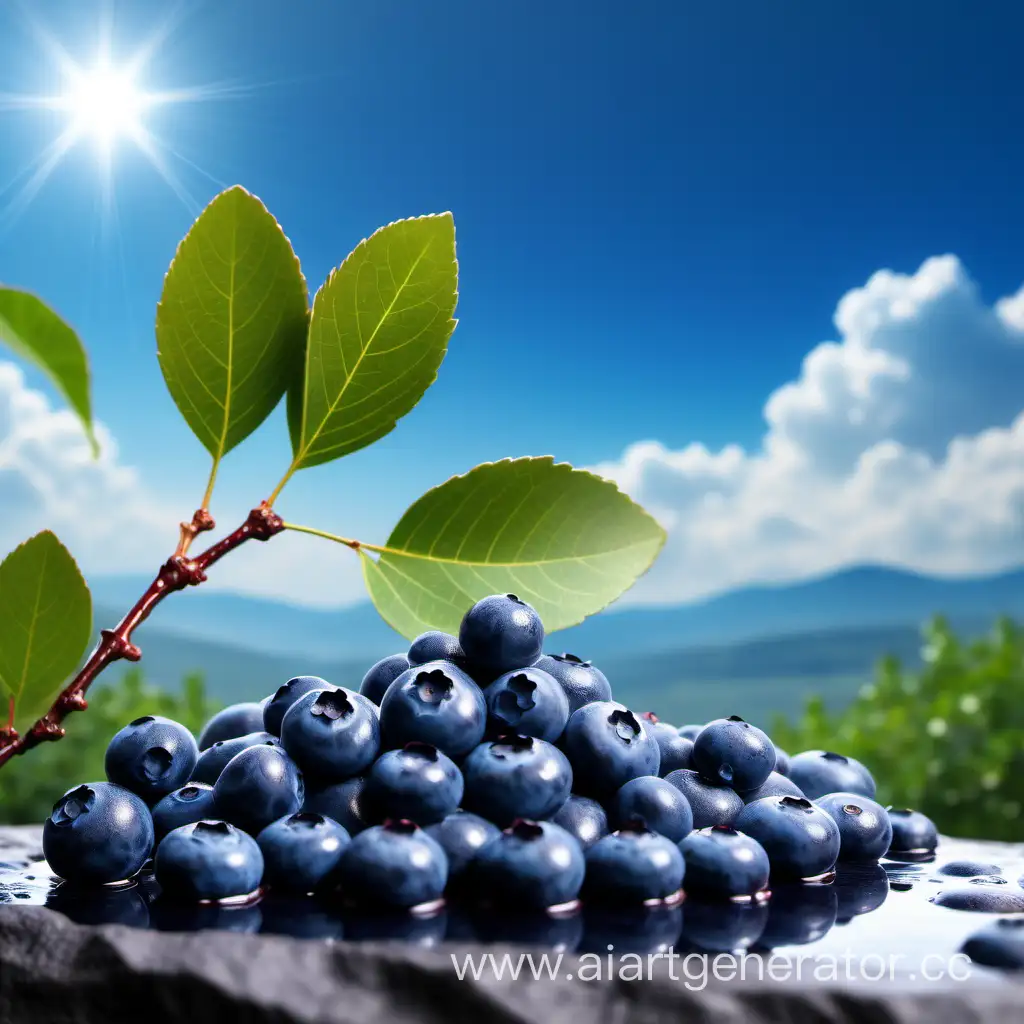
(231, 323)
(566, 541)
(378, 333)
(45, 623)
(35, 333)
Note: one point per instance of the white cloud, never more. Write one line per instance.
(902, 443)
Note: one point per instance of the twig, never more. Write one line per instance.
(177, 573)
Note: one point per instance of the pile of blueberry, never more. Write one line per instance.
(473, 766)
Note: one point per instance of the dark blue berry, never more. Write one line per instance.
(527, 701)
(98, 833)
(213, 760)
(499, 634)
(633, 865)
(690, 732)
(912, 832)
(208, 860)
(184, 806)
(435, 703)
(435, 646)
(711, 804)
(529, 865)
(287, 694)
(151, 756)
(331, 734)
(983, 897)
(343, 802)
(998, 944)
(781, 760)
(676, 751)
(801, 840)
(721, 862)
(234, 720)
(301, 851)
(607, 746)
(582, 818)
(462, 835)
(775, 785)
(818, 772)
(582, 681)
(516, 777)
(865, 832)
(258, 786)
(417, 782)
(381, 675)
(655, 802)
(969, 869)
(393, 865)
(735, 752)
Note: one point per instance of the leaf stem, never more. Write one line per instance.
(355, 545)
(276, 492)
(211, 483)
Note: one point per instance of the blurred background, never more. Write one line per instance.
(760, 265)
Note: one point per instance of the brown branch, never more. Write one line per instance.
(177, 573)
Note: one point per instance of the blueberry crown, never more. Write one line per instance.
(211, 828)
(332, 704)
(421, 749)
(796, 801)
(400, 826)
(523, 828)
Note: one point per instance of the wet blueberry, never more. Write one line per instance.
(151, 756)
(969, 869)
(583, 818)
(721, 862)
(675, 750)
(208, 860)
(607, 746)
(734, 752)
(184, 806)
(301, 851)
(527, 701)
(998, 944)
(435, 703)
(982, 896)
(417, 782)
(436, 646)
(801, 840)
(501, 633)
(287, 694)
(212, 760)
(865, 832)
(461, 835)
(775, 785)
(258, 786)
(710, 804)
(818, 772)
(912, 832)
(582, 682)
(393, 865)
(690, 732)
(232, 721)
(655, 802)
(516, 777)
(633, 865)
(98, 833)
(343, 802)
(381, 675)
(331, 734)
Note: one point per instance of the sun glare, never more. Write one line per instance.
(105, 104)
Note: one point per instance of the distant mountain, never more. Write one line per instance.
(864, 598)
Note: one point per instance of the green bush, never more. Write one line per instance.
(947, 740)
(29, 785)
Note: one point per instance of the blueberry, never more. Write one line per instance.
(331, 734)
(781, 760)
(461, 835)
(582, 682)
(151, 756)
(530, 865)
(184, 806)
(258, 786)
(516, 777)
(912, 832)
(381, 675)
(633, 865)
(213, 760)
(417, 782)
(343, 802)
(98, 833)
(723, 862)
(301, 851)
(582, 818)
(395, 865)
(690, 732)
(528, 701)
(655, 802)
(435, 703)
(801, 840)
(436, 646)
(499, 634)
(675, 750)
(232, 721)
(818, 772)
(865, 832)
(735, 752)
(711, 804)
(982, 896)
(208, 860)
(287, 694)
(607, 746)
(969, 869)
(775, 785)
(999, 944)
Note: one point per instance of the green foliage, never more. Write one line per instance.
(45, 623)
(565, 540)
(35, 333)
(947, 740)
(29, 785)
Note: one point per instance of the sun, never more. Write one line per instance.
(105, 104)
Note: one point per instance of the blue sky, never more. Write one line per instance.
(658, 206)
